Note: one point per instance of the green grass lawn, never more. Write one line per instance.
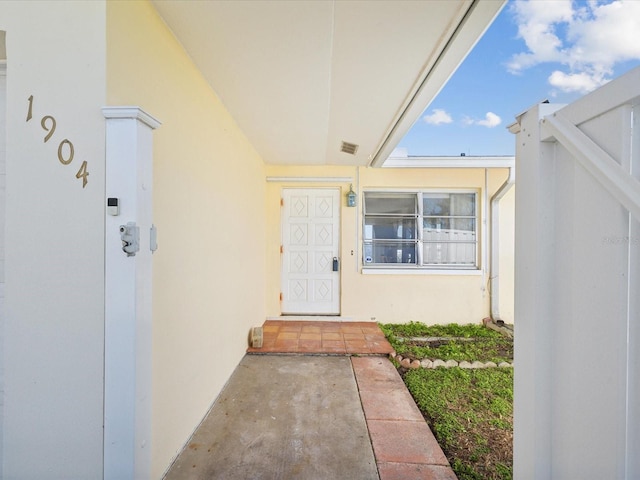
(469, 411)
(452, 342)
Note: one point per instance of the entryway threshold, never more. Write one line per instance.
(314, 318)
(322, 338)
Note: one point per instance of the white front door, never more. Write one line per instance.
(310, 251)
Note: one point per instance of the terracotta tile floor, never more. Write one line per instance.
(329, 338)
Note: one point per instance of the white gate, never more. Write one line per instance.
(577, 326)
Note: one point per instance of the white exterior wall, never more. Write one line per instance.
(54, 231)
(3, 176)
(577, 395)
(506, 250)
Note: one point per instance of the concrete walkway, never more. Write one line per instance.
(313, 417)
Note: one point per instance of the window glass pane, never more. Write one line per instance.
(390, 203)
(448, 222)
(389, 228)
(463, 204)
(460, 225)
(435, 253)
(467, 225)
(449, 204)
(389, 252)
(436, 223)
(436, 204)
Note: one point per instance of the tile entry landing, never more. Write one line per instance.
(322, 338)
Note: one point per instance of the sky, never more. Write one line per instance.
(536, 50)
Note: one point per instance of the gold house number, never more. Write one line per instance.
(65, 147)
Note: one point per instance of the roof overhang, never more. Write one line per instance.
(462, 161)
(300, 78)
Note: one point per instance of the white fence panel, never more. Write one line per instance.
(577, 387)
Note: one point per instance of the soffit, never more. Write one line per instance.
(300, 77)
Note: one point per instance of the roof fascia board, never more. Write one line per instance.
(450, 162)
(475, 21)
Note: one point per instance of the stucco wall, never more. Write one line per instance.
(399, 297)
(507, 256)
(53, 330)
(209, 270)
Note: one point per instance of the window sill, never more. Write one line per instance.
(420, 271)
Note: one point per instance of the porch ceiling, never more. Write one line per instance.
(300, 77)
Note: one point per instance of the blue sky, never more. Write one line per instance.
(535, 50)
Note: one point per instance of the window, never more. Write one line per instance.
(423, 229)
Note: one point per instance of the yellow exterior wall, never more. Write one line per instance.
(433, 298)
(209, 188)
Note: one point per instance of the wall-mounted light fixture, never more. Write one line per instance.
(351, 197)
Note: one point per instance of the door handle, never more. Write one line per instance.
(336, 263)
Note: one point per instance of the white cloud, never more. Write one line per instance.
(576, 82)
(438, 117)
(587, 38)
(490, 120)
(605, 35)
(537, 22)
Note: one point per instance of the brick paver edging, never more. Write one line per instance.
(403, 444)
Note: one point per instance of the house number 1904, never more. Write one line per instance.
(65, 147)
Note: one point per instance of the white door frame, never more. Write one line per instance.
(310, 236)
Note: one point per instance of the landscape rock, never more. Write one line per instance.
(415, 364)
(438, 363)
(406, 362)
(490, 365)
(426, 363)
(464, 364)
(450, 363)
(477, 364)
(504, 364)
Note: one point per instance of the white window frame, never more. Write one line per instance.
(419, 267)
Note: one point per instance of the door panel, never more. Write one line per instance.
(310, 241)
